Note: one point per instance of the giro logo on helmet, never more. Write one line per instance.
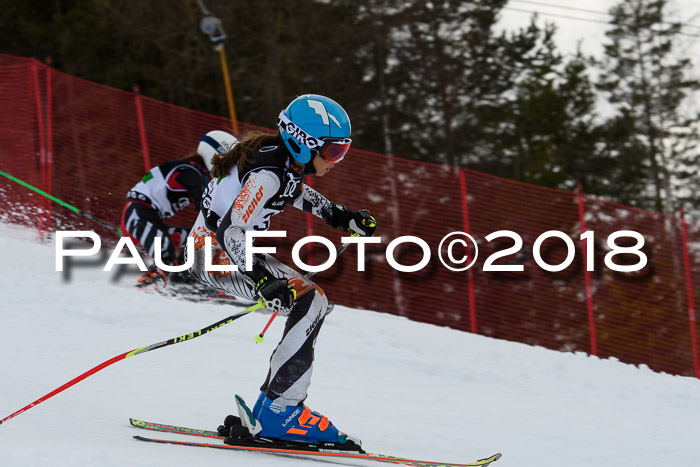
(303, 137)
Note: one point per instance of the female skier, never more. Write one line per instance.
(251, 183)
(163, 191)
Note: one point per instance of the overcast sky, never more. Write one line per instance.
(585, 22)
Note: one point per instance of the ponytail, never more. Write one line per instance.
(242, 153)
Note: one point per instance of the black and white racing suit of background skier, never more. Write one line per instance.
(165, 190)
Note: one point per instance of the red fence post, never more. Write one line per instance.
(470, 273)
(587, 275)
(689, 290)
(142, 128)
(42, 142)
(48, 185)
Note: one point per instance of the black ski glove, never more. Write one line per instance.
(275, 294)
(361, 222)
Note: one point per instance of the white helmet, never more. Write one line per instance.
(215, 142)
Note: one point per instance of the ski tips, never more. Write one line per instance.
(488, 460)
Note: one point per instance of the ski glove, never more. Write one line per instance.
(275, 294)
(361, 222)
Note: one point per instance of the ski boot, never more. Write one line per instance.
(290, 427)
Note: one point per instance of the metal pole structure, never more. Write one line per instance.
(212, 27)
(229, 93)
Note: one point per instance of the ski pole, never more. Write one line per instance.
(131, 353)
(260, 338)
(61, 202)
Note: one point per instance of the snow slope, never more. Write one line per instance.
(404, 388)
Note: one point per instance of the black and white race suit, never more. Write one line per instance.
(162, 192)
(247, 200)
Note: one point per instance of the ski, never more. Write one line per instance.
(328, 454)
(174, 429)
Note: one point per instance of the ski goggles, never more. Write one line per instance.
(331, 149)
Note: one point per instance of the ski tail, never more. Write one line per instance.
(174, 429)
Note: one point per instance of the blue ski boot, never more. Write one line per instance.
(296, 423)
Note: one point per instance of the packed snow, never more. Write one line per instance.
(404, 388)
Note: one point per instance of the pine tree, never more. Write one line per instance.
(647, 84)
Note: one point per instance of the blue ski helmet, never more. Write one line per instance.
(315, 125)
